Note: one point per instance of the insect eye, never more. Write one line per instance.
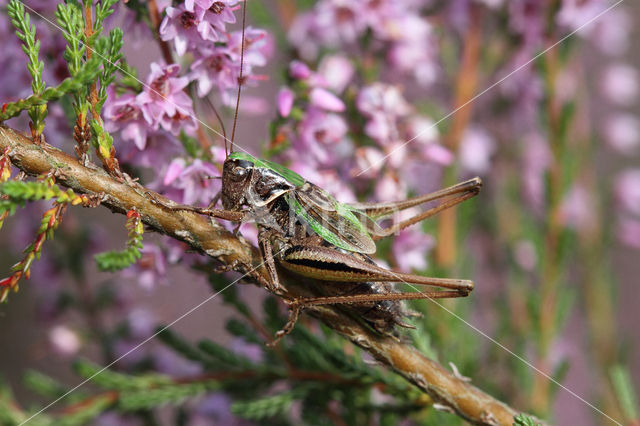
(238, 173)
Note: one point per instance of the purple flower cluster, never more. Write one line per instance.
(198, 27)
(393, 153)
(149, 122)
(161, 106)
(396, 28)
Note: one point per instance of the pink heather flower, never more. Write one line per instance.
(319, 136)
(326, 100)
(382, 98)
(575, 14)
(576, 210)
(413, 49)
(218, 66)
(141, 323)
(620, 84)
(186, 28)
(390, 188)
(215, 409)
(525, 255)
(125, 114)
(397, 154)
(150, 269)
(493, 4)
(160, 147)
(299, 70)
(339, 21)
(337, 71)
(612, 34)
(164, 102)
(64, 340)
(174, 170)
(369, 161)
(438, 154)
(193, 181)
(257, 47)
(627, 189)
(476, 149)
(628, 232)
(215, 68)
(410, 248)
(526, 17)
(622, 132)
(217, 13)
(285, 101)
(537, 158)
(422, 130)
(382, 104)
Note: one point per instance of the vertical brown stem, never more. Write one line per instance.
(466, 84)
(154, 15)
(109, 160)
(551, 271)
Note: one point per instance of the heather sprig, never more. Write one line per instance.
(31, 47)
(87, 73)
(69, 17)
(17, 193)
(117, 260)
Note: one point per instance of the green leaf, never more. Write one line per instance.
(84, 76)
(625, 392)
(109, 379)
(524, 420)
(225, 357)
(271, 406)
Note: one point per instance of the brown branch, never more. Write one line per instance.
(445, 388)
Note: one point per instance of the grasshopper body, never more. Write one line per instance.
(308, 232)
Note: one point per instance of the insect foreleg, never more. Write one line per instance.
(264, 240)
(229, 215)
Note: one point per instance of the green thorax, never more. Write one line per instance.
(289, 175)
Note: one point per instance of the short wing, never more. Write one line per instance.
(336, 224)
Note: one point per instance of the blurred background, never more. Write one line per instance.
(334, 90)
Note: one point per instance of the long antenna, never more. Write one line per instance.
(235, 115)
(224, 132)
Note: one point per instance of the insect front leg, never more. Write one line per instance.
(265, 238)
(233, 216)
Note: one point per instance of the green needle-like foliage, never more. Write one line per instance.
(18, 192)
(524, 420)
(87, 73)
(31, 47)
(118, 260)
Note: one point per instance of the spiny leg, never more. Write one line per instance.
(207, 211)
(384, 232)
(296, 306)
(378, 297)
(373, 211)
(377, 210)
(264, 240)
